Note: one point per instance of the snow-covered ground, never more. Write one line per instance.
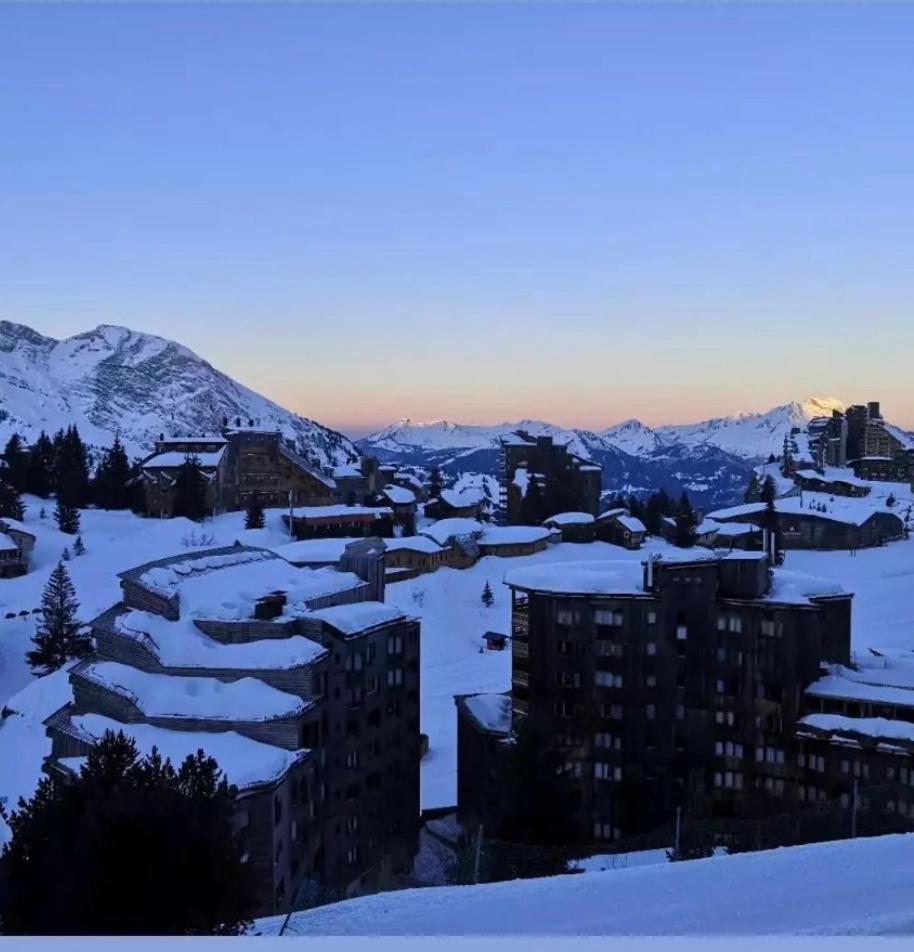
(851, 887)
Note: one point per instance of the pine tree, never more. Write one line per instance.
(67, 518)
(17, 462)
(769, 491)
(653, 514)
(686, 523)
(58, 638)
(78, 546)
(532, 505)
(110, 487)
(488, 598)
(435, 483)
(65, 555)
(96, 854)
(253, 517)
(753, 489)
(40, 467)
(10, 504)
(190, 491)
(71, 468)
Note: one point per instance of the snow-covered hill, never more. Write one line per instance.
(116, 379)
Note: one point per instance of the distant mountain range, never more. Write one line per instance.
(712, 460)
(113, 379)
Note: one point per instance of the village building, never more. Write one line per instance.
(835, 482)
(574, 526)
(511, 541)
(620, 527)
(357, 483)
(159, 471)
(403, 504)
(410, 556)
(729, 535)
(660, 684)
(16, 545)
(408, 481)
(294, 680)
(451, 504)
(313, 522)
(566, 482)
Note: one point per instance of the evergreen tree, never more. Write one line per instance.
(132, 846)
(488, 598)
(435, 483)
(58, 638)
(40, 467)
(769, 491)
(753, 489)
(653, 514)
(67, 518)
(190, 491)
(10, 504)
(686, 523)
(17, 462)
(71, 468)
(78, 546)
(253, 517)
(533, 504)
(65, 555)
(110, 487)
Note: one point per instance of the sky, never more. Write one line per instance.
(474, 212)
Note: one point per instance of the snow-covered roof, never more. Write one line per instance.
(416, 543)
(834, 475)
(514, 535)
(849, 510)
(797, 588)
(608, 577)
(491, 711)
(347, 471)
(399, 496)
(172, 460)
(632, 523)
(445, 529)
(728, 530)
(840, 686)
(358, 617)
(180, 644)
(342, 513)
(180, 440)
(231, 588)
(321, 551)
(245, 762)
(459, 500)
(569, 519)
(876, 727)
(7, 544)
(165, 695)
(14, 525)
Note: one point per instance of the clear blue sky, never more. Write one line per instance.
(580, 213)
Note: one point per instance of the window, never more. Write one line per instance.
(650, 712)
(682, 632)
(606, 679)
(371, 685)
(568, 679)
(652, 618)
(394, 644)
(651, 648)
(354, 695)
(355, 661)
(680, 712)
(564, 616)
(574, 768)
(352, 824)
(277, 809)
(770, 629)
(565, 648)
(564, 709)
(394, 677)
(721, 623)
(607, 741)
(729, 780)
(352, 855)
(603, 771)
(296, 832)
(352, 759)
(650, 681)
(609, 617)
(609, 649)
(603, 831)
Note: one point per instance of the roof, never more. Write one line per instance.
(569, 519)
(844, 509)
(399, 496)
(632, 523)
(358, 617)
(492, 712)
(14, 525)
(173, 460)
(458, 500)
(206, 438)
(608, 577)
(797, 588)
(319, 551)
(514, 535)
(342, 513)
(7, 544)
(875, 727)
(246, 763)
(445, 529)
(166, 695)
(416, 543)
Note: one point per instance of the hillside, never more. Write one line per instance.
(850, 887)
(116, 379)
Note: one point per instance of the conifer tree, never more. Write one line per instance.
(253, 517)
(40, 467)
(78, 546)
(435, 483)
(67, 517)
(190, 491)
(488, 598)
(58, 638)
(110, 488)
(10, 504)
(686, 523)
(71, 468)
(753, 489)
(17, 461)
(769, 491)
(65, 555)
(131, 846)
(531, 507)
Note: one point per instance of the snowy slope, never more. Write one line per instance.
(115, 379)
(849, 887)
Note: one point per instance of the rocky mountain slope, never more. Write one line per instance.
(113, 379)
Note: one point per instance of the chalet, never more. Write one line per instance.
(898, 468)
(409, 556)
(191, 659)
(574, 526)
(729, 535)
(833, 482)
(312, 522)
(402, 502)
(408, 481)
(357, 483)
(159, 471)
(619, 527)
(450, 504)
(460, 536)
(512, 541)
(16, 544)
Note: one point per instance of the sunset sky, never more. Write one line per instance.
(478, 213)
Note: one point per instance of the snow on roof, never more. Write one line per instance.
(798, 587)
(173, 460)
(230, 588)
(445, 529)
(513, 535)
(205, 438)
(491, 711)
(569, 519)
(632, 523)
(345, 471)
(180, 644)
(609, 577)
(840, 686)
(747, 509)
(399, 496)
(459, 500)
(314, 550)
(165, 695)
(415, 543)
(833, 475)
(845, 509)
(7, 544)
(15, 525)
(879, 727)
(728, 530)
(245, 762)
(342, 512)
(357, 617)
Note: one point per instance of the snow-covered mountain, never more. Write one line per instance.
(113, 379)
